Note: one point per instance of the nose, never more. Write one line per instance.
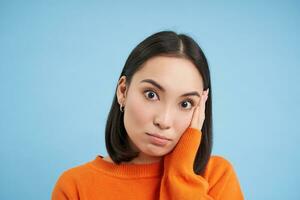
(163, 119)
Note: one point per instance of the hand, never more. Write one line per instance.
(199, 112)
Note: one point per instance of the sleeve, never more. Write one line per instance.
(179, 182)
(65, 188)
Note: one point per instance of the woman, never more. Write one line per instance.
(158, 133)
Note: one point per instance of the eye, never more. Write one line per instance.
(188, 104)
(150, 94)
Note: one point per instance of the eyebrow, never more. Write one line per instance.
(193, 93)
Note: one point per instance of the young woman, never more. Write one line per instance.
(158, 132)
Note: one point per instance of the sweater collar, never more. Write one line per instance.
(128, 170)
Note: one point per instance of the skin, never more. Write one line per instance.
(151, 110)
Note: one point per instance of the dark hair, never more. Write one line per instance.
(166, 43)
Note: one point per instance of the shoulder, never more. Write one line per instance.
(217, 167)
(74, 174)
(66, 185)
(219, 161)
(222, 179)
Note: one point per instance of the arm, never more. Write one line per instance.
(179, 182)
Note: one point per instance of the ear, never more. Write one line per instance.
(122, 90)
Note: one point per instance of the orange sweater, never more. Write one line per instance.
(172, 178)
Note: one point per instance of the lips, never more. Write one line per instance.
(158, 140)
(158, 136)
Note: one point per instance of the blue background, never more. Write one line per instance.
(59, 64)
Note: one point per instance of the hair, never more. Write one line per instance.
(167, 43)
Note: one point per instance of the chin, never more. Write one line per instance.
(156, 154)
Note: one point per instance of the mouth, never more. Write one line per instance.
(158, 136)
(158, 140)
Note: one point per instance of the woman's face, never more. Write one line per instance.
(155, 104)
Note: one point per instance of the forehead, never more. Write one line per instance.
(172, 73)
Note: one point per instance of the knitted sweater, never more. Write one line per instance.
(171, 178)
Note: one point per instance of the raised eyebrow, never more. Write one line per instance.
(154, 83)
(194, 93)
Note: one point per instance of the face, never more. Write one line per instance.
(155, 104)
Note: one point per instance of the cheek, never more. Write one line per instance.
(136, 115)
(182, 122)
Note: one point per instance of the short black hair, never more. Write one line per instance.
(167, 43)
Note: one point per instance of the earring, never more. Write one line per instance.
(122, 108)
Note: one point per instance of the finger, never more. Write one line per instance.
(195, 117)
(202, 106)
(199, 111)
